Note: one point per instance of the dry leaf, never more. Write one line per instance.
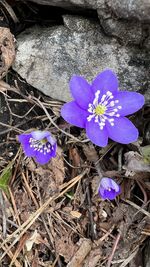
(35, 238)
(7, 50)
(75, 214)
(134, 162)
(81, 254)
(65, 246)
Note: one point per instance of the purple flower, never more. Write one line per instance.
(108, 189)
(39, 144)
(100, 109)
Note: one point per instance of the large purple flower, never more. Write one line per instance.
(39, 144)
(100, 109)
(108, 188)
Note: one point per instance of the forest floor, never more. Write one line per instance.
(52, 215)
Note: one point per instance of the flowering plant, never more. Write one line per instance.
(39, 144)
(108, 188)
(100, 109)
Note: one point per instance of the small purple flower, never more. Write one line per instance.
(39, 144)
(100, 109)
(108, 189)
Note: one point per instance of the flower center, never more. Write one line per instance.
(104, 109)
(43, 146)
(100, 110)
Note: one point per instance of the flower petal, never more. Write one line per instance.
(73, 114)
(41, 158)
(129, 101)
(39, 135)
(110, 194)
(24, 139)
(97, 136)
(81, 91)
(123, 131)
(105, 81)
(114, 186)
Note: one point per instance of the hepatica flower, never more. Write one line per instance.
(39, 145)
(101, 108)
(108, 188)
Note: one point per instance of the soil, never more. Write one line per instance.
(51, 215)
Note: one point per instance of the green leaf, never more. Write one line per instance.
(70, 195)
(146, 153)
(5, 178)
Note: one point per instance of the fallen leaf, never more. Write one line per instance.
(81, 253)
(34, 238)
(134, 162)
(7, 50)
(75, 214)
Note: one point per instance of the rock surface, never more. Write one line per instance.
(48, 57)
(131, 9)
(128, 9)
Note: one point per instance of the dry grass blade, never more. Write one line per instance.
(126, 261)
(10, 11)
(27, 224)
(138, 208)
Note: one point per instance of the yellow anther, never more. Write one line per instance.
(100, 110)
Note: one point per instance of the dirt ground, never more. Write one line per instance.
(51, 215)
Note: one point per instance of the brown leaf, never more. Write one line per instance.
(7, 50)
(75, 160)
(81, 254)
(134, 162)
(34, 238)
(65, 246)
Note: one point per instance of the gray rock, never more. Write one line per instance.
(70, 3)
(48, 57)
(130, 9)
(126, 31)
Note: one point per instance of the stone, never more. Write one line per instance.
(126, 31)
(47, 57)
(131, 9)
(70, 3)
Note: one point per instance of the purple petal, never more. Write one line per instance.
(24, 139)
(81, 91)
(29, 151)
(53, 151)
(97, 136)
(110, 194)
(129, 101)
(105, 81)
(123, 131)
(39, 135)
(51, 140)
(43, 159)
(105, 182)
(73, 114)
(114, 186)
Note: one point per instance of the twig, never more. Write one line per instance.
(120, 159)
(3, 214)
(113, 250)
(93, 231)
(126, 261)
(143, 191)
(52, 122)
(27, 224)
(10, 11)
(140, 209)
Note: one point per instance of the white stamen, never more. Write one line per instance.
(110, 109)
